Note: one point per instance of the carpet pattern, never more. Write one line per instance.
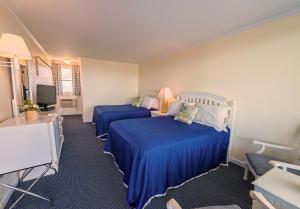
(89, 179)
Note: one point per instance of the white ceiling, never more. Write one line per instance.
(137, 30)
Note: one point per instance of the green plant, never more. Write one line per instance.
(29, 106)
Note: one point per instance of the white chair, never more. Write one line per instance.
(259, 163)
(257, 197)
(260, 201)
(286, 166)
(172, 204)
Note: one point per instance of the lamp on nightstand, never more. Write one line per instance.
(165, 94)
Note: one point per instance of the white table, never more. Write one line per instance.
(31, 148)
(280, 188)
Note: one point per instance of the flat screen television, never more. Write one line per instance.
(46, 96)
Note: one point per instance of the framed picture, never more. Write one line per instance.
(40, 63)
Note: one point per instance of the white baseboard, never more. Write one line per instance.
(6, 196)
(237, 162)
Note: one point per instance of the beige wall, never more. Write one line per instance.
(106, 82)
(9, 24)
(258, 68)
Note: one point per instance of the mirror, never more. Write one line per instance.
(22, 86)
(6, 90)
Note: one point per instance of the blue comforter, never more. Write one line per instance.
(157, 153)
(105, 114)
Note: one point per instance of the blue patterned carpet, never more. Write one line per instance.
(88, 179)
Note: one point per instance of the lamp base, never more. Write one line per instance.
(164, 106)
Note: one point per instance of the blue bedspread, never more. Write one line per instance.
(105, 114)
(157, 153)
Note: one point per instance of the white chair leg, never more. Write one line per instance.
(246, 171)
(172, 204)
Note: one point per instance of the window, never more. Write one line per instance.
(66, 79)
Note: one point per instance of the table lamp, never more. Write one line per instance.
(165, 94)
(13, 46)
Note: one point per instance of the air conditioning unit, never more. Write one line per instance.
(68, 103)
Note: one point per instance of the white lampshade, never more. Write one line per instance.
(165, 93)
(13, 46)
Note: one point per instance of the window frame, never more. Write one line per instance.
(64, 80)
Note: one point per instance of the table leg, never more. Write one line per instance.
(27, 191)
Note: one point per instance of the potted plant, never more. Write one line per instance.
(30, 110)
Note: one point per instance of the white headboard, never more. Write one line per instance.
(211, 99)
(149, 93)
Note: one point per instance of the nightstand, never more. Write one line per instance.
(157, 113)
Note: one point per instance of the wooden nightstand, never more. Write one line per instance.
(157, 113)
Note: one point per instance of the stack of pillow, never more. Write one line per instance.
(210, 115)
(146, 102)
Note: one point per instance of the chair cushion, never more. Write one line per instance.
(293, 171)
(221, 207)
(260, 162)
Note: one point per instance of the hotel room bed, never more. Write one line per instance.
(157, 153)
(105, 114)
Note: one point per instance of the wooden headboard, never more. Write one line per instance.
(211, 99)
(149, 93)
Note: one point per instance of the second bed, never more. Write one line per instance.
(103, 115)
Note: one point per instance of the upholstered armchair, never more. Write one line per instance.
(173, 204)
(259, 163)
(261, 201)
(292, 168)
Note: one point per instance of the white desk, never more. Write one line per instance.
(31, 146)
(280, 188)
(26, 144)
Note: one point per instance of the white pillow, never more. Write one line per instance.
(212, 115)
(147, 102)
(174, 108)
(155, 103)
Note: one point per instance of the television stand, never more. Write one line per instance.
(46, 108)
